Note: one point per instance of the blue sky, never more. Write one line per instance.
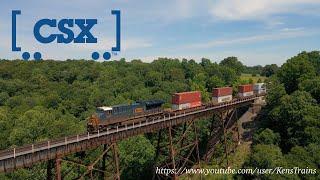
(256, 31)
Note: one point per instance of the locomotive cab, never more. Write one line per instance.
(103, 112)
(108, 117)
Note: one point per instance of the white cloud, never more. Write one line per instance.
(259, 9)
(169, 11)
(285, 33)
(135, 43)
(292, 29)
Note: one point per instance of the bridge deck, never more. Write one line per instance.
(28, 155)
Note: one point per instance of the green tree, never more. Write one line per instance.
(5, 127)
(153, 78)
(312, 86)
(294, 71)
(294, 114)
(267, 157)
(232, 62)
(269, 70)
(301, 158)
(4, 96)
(198, 83)
(136, 156)
(267, 137)
(214, 82)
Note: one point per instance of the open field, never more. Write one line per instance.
(254, 78)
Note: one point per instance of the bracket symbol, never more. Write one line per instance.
(114, 49)
(15, 48)
(14, 30)
(118, 26)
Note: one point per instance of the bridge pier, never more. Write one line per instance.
(116, 161)
(226, 120)
(172, 153)
(223, 119)
(109, 155)
(113, 149)
(103, 165)
(181, 144)
(58, 168)
(50, 166)
(158, 149)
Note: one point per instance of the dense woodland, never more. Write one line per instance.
(289, 130)
(49, 99)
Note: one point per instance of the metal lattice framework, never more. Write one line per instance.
(182, 149)
(54, 151)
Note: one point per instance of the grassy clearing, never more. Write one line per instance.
(247, 77)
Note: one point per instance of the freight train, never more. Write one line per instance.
(110, 117)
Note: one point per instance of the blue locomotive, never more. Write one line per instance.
(115, 115)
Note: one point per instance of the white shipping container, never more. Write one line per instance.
(245, 94)
(222, 99)
(258, 86)
(260, 91)
(180, 106)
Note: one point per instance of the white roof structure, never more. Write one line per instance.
(105, 108)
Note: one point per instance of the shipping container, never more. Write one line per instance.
(245, 94)
(259, 88)
(195, 104)
(186, 105)
(222, 99)
(186, 97)
(245, 88)
(180, 106)
(223, 91)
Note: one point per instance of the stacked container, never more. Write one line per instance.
(223, 94)
(186, 100)
(259, 88)
(245, 90)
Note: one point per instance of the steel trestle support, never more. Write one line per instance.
(91, 170)
(180, 146)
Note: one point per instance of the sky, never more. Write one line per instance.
(258, 32)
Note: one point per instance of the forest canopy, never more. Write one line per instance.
(288, 135)
(40, 100)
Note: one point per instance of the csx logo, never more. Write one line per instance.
(64, 33)
(66, 26)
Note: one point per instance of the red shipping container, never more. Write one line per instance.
(223, 91)
(186, 97)
(245, 88)
(195, 104)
